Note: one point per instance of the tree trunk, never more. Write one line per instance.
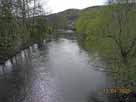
(124, 57)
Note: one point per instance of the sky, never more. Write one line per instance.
(55, 6)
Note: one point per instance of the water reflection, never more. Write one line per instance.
(15, 80)
(59, 71)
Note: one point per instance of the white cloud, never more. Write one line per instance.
(60, 5)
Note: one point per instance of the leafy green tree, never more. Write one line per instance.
(121, 29)
(9, 37)
(39, 29)
(110, 30)
(17, 26)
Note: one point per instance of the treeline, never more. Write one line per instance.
(22, 23)
(110, 30)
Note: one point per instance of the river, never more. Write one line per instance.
(57, 71)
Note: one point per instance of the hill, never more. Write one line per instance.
(64, 19)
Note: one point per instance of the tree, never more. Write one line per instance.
(9, 38)
(123, 17)
(110, 30)
(16, 23)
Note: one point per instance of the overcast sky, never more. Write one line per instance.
(60, 5)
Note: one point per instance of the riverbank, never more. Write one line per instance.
(111, 34)
(20, 30)
(12, 43)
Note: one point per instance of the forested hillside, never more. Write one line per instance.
(63, 20)
(110, 31)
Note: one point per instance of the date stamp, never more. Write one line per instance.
(109, 91)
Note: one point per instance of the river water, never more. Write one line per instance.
(58, 71)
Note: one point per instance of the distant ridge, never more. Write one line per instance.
(67, 18)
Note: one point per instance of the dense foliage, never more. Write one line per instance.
(21, 24)
(110, 30)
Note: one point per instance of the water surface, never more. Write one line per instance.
(58, 71)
